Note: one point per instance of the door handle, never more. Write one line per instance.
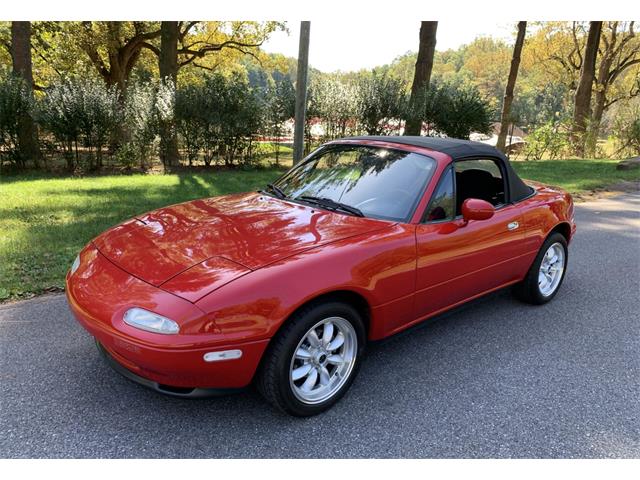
(513, 225)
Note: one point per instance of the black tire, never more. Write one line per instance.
(273, 379)
(528, 290)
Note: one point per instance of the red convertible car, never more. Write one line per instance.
(283, 288)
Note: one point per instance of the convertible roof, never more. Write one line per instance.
(459, 149)
(451, 146)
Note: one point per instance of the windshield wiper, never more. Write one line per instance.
(277, 190)
(332, 205)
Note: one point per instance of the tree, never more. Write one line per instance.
(21, 56)
(422, 74)
(454, 111)
(115, 48)
(582, 104)
(619, 51)
(505, 118)
(168, 64)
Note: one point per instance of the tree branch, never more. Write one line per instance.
(92, 52)
(622, 67)
(151, 47)
(183, 33)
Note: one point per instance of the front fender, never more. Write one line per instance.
(380, 267)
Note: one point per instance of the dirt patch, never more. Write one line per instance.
(624, 186)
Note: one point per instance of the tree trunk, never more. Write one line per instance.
(582, 109)
(422, 75)
(21, 55)
(599, 102)
(505, 119)
(168, 63)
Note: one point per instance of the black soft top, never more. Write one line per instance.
(460, 149)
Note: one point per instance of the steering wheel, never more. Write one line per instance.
(391, 196)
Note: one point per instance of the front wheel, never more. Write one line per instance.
(313, 360)
(546, 274)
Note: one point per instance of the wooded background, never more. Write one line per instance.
(130, 95)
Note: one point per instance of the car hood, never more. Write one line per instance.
(197, 246)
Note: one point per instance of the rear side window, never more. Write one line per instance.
(479, 178)
(442, 205)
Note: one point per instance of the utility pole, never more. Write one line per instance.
(301, 92)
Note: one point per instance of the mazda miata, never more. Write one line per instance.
(283, 288)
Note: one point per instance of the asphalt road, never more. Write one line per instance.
(497, 379)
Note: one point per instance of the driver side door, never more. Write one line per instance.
(459, 260)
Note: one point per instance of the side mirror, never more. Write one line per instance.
(476, 209)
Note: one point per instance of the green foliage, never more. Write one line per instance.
(462, 111)
(60, 113)
(79, 111)
(381, 100)
(98, 115)
(281, 103)
(15, 102)
(141, 121)
(335, 101)
(453, 110)
(219, 118)
(188, 112)
(534, 106)
(550, 141)
(626, 129)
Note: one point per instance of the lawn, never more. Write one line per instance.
(45, 221)
(578, 176)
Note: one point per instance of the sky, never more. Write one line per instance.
(343, 44)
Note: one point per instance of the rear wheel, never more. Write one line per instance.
(314, 359)
(546, 274)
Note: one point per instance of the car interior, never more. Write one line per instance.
(474, 179)
(481, 179)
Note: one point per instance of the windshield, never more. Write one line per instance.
(380, 182)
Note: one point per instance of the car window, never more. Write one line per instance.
(382, 182)
(481, 179)
(442, 205)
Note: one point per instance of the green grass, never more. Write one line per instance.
(45, 221)
(578, 176)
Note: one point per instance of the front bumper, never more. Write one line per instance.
(184, 392)
(100, 292)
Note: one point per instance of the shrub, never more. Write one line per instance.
(626, 130)
(381, 103)
(219, 118)
(59, 113)
(78, 111)
(335, 102)
(550, 140)
(453, 110)
(14, 103)
(188, 120)
(99, 116)
(165, 111)
(463, 111)
(140, 122)
(280, 107)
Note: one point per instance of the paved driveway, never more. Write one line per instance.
(498, 379)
